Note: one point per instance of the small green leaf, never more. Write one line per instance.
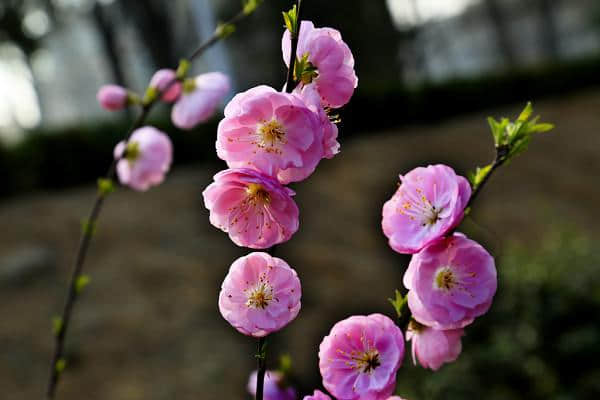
(87, 227)
(225, 30)
(399, 303)
(81, 282)
(61, 364)
(150, 96)
(251, 5)
(526, 113)
(285, 364)
(541, 128)
(479, 175)
(291, 21)
(182, 69)
(57, 325)
(105, 186)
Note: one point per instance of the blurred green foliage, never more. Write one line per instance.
(541, 339)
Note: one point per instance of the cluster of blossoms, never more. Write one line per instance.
(145, 157)
(269, 139)
(451, 279)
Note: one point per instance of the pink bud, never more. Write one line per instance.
(432, 347)
(112, 97)
(165, 81)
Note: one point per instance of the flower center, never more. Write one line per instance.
(368, 361)
(258, 194)
(260, 296)
(270, 135)
(417, 206)
(445, 279)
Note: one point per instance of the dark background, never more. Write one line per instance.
(148, 326)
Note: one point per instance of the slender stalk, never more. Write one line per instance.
(58, 362)
(289, 84)
(262, 368)
(501, 153)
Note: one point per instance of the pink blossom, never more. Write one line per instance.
(317, 395)
(335, 77)
(270, 131)
(360, 356)
(428, 204)
(395, 398)
(256, 210)
(329, 145)
(260, 294)
(146, 158)
(434, 347)
(274, 386)
(199, 99)
(450, 283)
(165, 81)
(112, 97)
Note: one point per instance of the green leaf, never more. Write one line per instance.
(87, 227)
(105, 186)
(60, 365)
(304, 71)
(285, 364)
(81, 282)
(57, 325)
(182, 69)
(251, 5)
(541, 128)
(150, 96)
(479, 175)
(399, 303)
(526, 113)
(291, 20)
(224, 30)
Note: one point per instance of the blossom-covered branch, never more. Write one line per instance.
(133, 166)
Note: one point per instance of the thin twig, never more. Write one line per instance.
(262, 368)
(289, 84)
(84, 243)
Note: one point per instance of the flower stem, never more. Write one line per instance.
(58, 363)
(289, 84)
(262, 368)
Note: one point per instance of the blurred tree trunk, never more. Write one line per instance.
(502, 32)
(110, 44)
(547, 27)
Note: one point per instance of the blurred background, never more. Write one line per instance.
(430, 72)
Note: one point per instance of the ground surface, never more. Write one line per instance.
(148, 325)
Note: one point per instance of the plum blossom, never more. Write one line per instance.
(270, 131)
(329, 144)
(254, 209)
(360, 356)
(429, 203)
(144, 159)
(334, 78)
(450, 282)
(165, 80)
(317, 395)
(260, 294)
(274, 386)
(432, 347)
(112, 97)
(199, 99)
